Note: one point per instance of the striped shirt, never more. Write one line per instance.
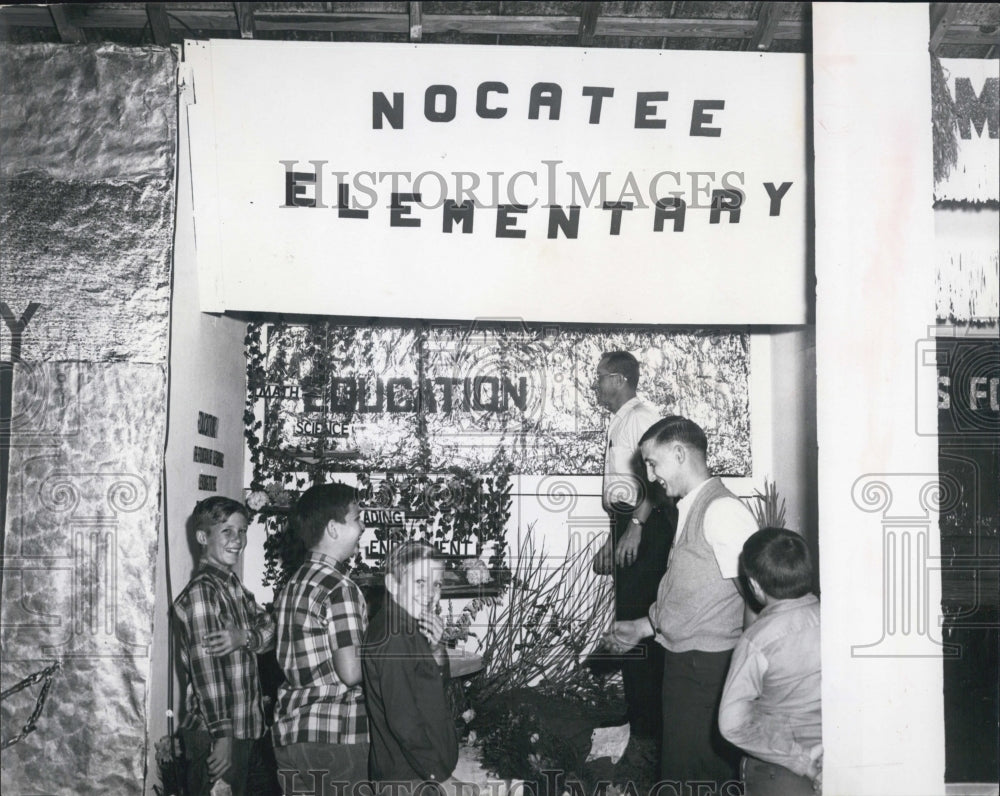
(319, 610)
(223, 693)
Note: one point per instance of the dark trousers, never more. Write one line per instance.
(693, 748)
(767, 779)
(635, 591)
(250, 774)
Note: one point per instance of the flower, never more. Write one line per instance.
(534, 738)
(476, 571)
(468, 715)
(257, 499)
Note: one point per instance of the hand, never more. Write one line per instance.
(432, 627)
(603, 563)
(628, 545)
(222, 642)
(623, 635)
(220, 760)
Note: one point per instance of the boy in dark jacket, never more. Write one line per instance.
(405, 668)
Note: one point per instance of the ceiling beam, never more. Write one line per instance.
(416, 20)
(245, 19)
(159, 23)
(767, 24)
(588, 23)
(68, 31)
(942, 15)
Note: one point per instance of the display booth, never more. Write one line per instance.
(398, 265)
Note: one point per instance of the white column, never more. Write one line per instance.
(883, 713)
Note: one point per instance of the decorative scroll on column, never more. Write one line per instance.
(909, 504)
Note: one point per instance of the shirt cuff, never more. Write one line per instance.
(221, 729)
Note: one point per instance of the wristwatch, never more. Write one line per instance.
(636, 521)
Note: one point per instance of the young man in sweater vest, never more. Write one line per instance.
(699, 613)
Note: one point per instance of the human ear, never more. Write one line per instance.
(758, 592)
(391, 584)
(331, 529)
(202, 537)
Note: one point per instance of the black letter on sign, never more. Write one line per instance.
(430, 102)
(481, 96)
(643, 109)
(343, 395)
(699, 118)
(17, 328)
(399, 211)
(776, 194)
(381, 109)
(597, 95)
(730, 201)
(453, 212)
(344, 202)
(977, 111)
(616, 215)
(296, 182)
(673, 207)
(558, 220)
(405, 401)
(505, 223)
(548, 94)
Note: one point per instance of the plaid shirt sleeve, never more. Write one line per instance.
(262, 626)
(197, 615)
(345, 613)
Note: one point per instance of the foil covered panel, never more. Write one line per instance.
(95, 259)
(88, 113)
(79, 556)
(432, 397)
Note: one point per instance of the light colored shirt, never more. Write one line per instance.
(623, 477)
(771, 701)
(728, 524)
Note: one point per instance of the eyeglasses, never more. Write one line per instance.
(598, 376)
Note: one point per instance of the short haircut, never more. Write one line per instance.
(778, 559)
(626, 364)
(213, 510)
(401, 556)
(316, 507)
(674, 428)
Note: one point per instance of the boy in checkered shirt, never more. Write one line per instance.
(320, 720)
(221, 630)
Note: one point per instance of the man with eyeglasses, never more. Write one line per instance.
(642, 527)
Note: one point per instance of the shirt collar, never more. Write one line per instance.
(216, 570)
(686, 500)
(626, 407)
(781, 606)
(330, 561)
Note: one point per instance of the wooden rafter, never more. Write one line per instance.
(159, 23)
(588, 23)
(416, 20)
(942, 15)
(767, 23)
(245, 19)
(68, 31)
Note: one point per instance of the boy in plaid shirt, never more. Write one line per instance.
(221, 629)
(320, 720)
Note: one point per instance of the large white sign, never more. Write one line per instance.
(549, 184)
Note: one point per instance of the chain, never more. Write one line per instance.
(45, 674)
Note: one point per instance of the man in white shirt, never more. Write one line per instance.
(641, 529)
(699, 613)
